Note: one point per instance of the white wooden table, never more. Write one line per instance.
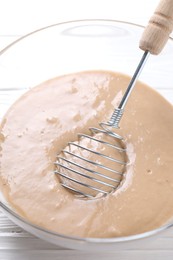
(19, 17)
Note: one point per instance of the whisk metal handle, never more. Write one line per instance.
(153, 40)
(118, 112)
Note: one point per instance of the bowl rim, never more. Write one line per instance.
(63, 23)
(90, 240)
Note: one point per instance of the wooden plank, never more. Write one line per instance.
(78, 255)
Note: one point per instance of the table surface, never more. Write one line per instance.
(21, 17)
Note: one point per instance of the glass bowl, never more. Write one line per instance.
(72, 47)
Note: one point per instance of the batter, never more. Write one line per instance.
(42, 121)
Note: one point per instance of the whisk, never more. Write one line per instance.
(88, 177)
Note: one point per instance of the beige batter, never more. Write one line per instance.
(39, 125)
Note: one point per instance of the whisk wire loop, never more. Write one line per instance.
(86, 169)
(64, 166)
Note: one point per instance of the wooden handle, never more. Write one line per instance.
(160, 26)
